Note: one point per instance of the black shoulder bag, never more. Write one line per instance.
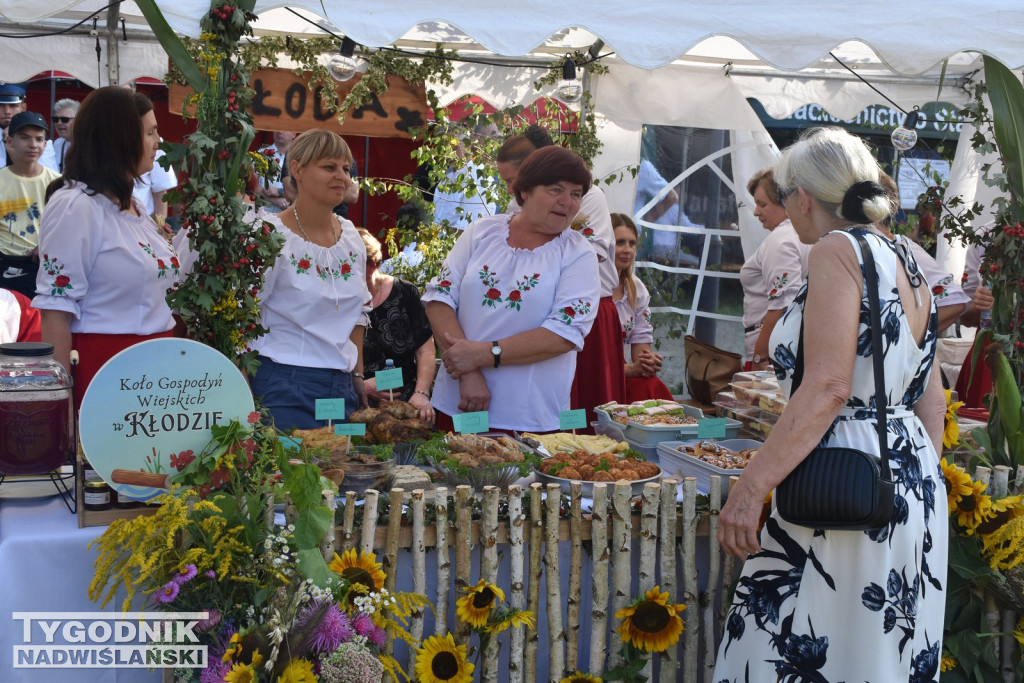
(843, 488)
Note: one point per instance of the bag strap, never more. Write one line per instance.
(875, 308)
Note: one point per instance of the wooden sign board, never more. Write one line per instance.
(284, 102)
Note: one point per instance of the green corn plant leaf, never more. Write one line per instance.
(1009, 407)
(1007, 97)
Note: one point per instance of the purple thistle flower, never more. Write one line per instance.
(185, 575)
(377, 636)
(210, 622)
(333, 630)
(363, 625)
(214, 672)
(168, 592)
(210, 574)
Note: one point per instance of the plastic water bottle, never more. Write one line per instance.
(390, 365)
(985, 320)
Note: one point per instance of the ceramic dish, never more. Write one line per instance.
(588, 486)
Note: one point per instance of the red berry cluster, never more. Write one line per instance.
(1014, 230)
(223, 12)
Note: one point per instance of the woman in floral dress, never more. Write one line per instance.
(816, 605)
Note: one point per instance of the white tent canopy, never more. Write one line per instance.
(909, 38)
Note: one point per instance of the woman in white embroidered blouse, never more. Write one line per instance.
(314, 300)
(105, 265)
(514, 300)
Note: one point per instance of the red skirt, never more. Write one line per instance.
(601, 365)
(645, 388)
(972, 389)
(96, 349)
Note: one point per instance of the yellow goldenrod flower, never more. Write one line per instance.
(948, 664)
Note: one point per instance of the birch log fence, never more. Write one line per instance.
(549, 540)
(541, 537)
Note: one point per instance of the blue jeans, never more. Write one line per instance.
(289, 392)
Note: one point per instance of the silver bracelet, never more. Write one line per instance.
(359, 375)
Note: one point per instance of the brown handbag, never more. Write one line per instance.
(709, 369)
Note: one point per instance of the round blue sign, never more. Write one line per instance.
(152, 400)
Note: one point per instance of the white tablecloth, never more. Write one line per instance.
(45, 567)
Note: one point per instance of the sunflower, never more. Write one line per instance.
(958, 483)
(948, 664)
(510, 618)
(242, 673)
(973, 508)
(651, 623)
(298, 671)
(951, 433)
(580, 677)
(1003, 533)
(440, 660)
(234, 648)
(358, 568)
(475, 608)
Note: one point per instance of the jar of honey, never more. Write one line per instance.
(96, 496)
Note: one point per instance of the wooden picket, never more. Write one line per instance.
(651, 545)
(532, 534)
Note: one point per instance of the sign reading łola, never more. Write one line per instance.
(284, 102)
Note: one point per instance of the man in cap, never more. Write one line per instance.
(12, 101)
(22, 195)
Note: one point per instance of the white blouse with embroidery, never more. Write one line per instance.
(498, 291)
(771, 278)
(107, 267)
(636, 320)
(312, 299)
(595, 223)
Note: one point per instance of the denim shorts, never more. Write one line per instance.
(289, 392)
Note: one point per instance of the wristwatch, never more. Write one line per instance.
(496, 352)
(757, 360)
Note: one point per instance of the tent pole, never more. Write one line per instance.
(113, 56)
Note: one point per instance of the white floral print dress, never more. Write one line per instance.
(830, 606)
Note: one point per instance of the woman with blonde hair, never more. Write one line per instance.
(632, 301)
(314, 300)
(844, 605)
